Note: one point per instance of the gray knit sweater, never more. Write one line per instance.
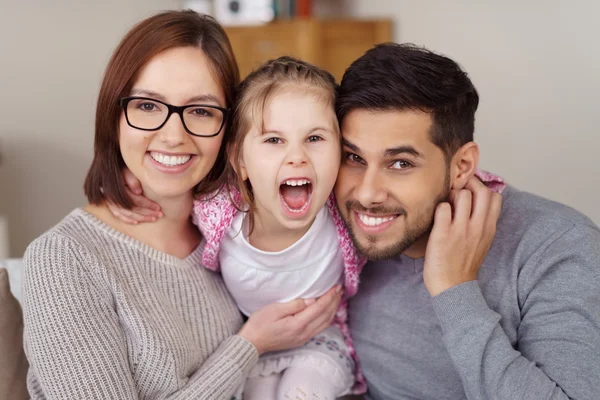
(107, 317)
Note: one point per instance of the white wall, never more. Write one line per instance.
(52, 57)
(536, 64)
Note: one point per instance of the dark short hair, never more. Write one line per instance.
(394, 76)
(164, 31)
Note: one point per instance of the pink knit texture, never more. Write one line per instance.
(214, 214)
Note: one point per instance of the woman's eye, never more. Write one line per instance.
(314, 138)
(273, 140)
(147, 107)
(201, 112)
(401, 164)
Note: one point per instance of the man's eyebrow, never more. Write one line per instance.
(203, 98)
(351, 146)
(394, 151)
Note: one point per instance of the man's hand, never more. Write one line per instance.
(461, 237)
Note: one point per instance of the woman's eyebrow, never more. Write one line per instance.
(203, 98)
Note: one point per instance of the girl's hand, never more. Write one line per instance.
(282, 326)
(144, 210)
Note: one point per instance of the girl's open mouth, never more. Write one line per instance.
(295, 195)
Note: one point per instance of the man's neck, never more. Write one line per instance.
(417, 249)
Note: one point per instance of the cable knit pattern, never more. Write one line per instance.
(108, 317)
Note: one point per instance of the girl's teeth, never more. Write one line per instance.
(170, 161)
(298, 182)
(371, 221)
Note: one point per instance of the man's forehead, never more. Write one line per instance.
(387, 129)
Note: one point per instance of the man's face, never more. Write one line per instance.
(391, 179)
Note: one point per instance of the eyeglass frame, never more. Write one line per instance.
(124, 102)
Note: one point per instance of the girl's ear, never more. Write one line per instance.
(239, 167)
(464, 165)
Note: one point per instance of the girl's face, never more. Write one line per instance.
(169, 162)
(292, 166)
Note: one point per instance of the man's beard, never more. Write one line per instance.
(412, 233)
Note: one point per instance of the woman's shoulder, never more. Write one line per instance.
(72, 242)
(74, 230)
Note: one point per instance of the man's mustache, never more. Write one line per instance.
(379, 210)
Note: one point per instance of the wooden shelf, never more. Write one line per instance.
(329, 43)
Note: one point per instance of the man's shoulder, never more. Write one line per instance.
(530, 220)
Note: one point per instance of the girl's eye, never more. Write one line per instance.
(273, 140)
(401, 164)
(314, 138)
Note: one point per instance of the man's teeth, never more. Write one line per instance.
(371, 221)
(169, 161)
(296, 182)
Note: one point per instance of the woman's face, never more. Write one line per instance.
(169, 162)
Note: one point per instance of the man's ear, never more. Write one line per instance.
(464, 164)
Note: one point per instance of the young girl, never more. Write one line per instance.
(274, 230)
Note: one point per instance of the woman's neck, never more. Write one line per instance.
(173, 234)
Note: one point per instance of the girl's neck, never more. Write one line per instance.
(174, 233)
(268, 235)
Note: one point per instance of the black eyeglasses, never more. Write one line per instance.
(149, 114)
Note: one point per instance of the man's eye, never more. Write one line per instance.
(353, 158)
(401, 164)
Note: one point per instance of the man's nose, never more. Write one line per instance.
(370, 189)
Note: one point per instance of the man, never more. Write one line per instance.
(526, 325)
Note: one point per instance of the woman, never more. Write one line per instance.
(123, 311)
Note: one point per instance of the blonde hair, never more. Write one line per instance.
(253, 95)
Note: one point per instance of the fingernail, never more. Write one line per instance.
(338, 288)
(308, 302)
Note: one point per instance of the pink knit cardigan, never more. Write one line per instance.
(214, 215)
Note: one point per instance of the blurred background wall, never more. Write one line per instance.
(536, 65)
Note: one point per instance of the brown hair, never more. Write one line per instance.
(164, 31)
(253, 95)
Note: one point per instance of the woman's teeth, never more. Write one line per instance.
(371, 221)
(169, 161)
(298, 182)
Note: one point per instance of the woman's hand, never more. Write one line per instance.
(144, 210)
(282, 326)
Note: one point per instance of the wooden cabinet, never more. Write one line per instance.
(330, 44)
